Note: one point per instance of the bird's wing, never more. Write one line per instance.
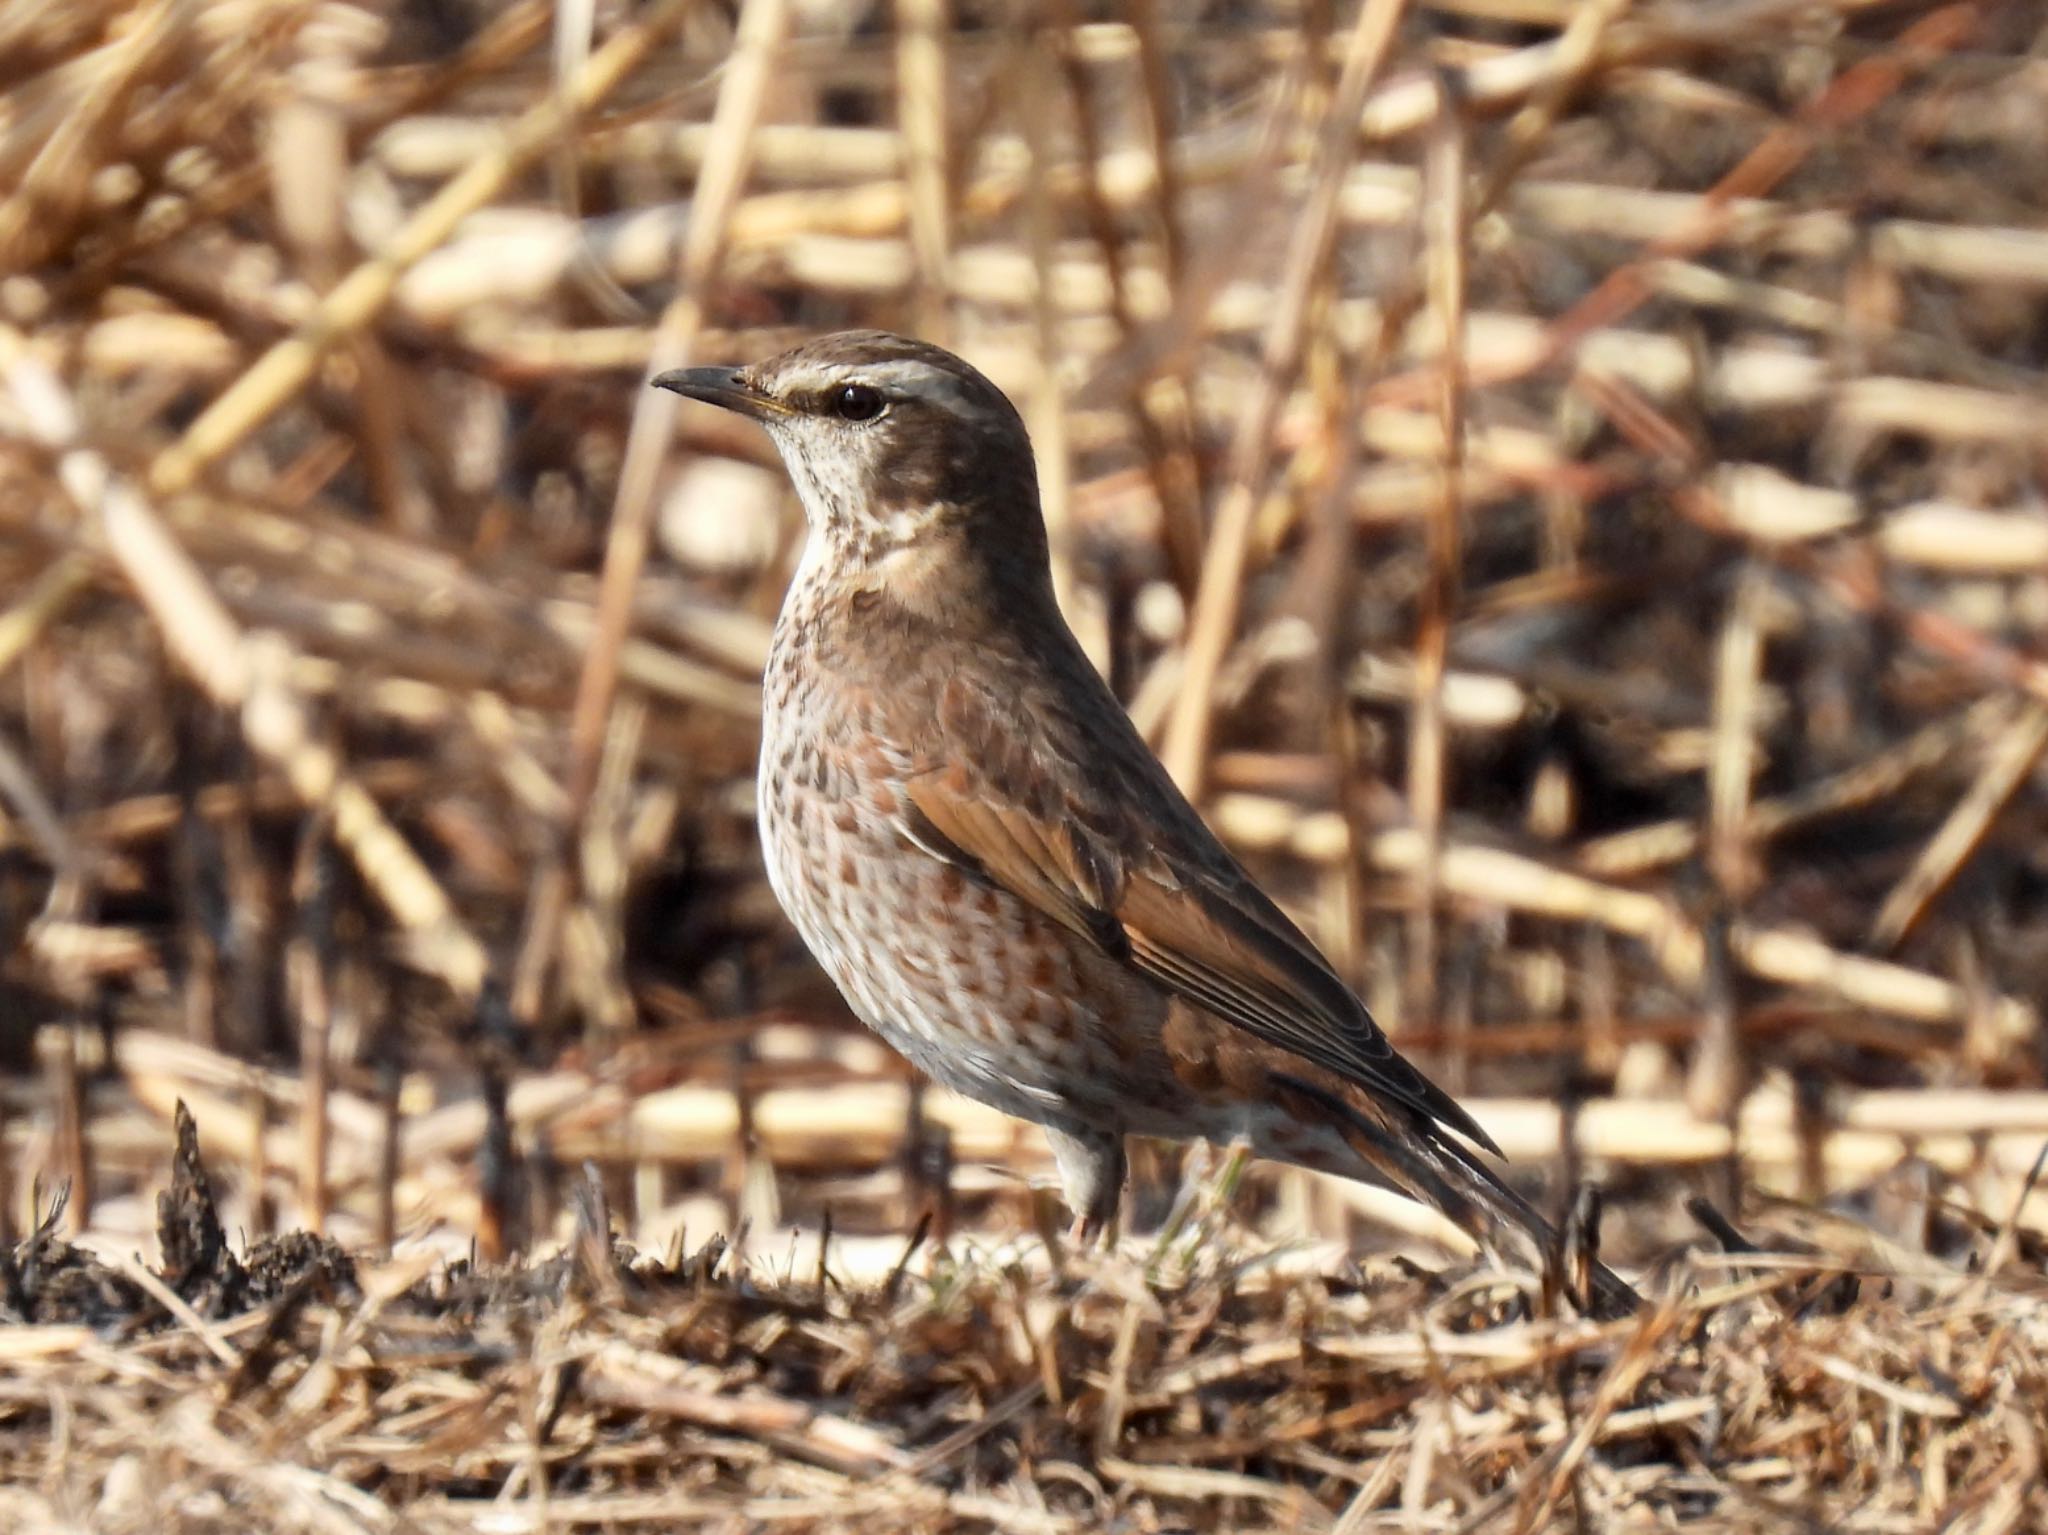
(1170, 902)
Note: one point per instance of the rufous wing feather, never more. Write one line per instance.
(1193, 924)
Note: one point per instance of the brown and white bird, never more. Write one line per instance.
(981, 851)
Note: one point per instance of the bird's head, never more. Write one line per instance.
(898, 449)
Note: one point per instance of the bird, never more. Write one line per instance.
(978, 847)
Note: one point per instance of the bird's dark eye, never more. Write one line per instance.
(857, 402)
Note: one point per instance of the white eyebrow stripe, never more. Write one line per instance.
(921, 381)
(812, 377)
(903, 377)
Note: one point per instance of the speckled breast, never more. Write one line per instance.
(982, 993)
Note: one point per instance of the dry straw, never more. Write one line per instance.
(1204, 1382)
(1562, 483)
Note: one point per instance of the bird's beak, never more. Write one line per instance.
(724, 387)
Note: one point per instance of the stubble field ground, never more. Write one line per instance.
(378, 668)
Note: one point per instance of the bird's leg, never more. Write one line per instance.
(1091, 1164)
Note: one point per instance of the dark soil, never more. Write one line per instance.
(45, 1279)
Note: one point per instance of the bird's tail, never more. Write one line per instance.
(1433, 1165)
(1607, 1295)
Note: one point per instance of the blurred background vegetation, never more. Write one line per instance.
(379, 658)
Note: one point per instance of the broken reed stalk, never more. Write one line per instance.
(1443, 255)
(245, 673)
(1212, 619)
(357, 298)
